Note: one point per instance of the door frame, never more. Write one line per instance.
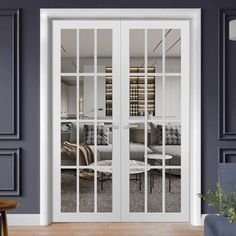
(46, 18)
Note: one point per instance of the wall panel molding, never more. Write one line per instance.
(224, 132)
(227, 155)
(9, 75)
(10, 171)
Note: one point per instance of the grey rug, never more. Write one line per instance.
(104, 197)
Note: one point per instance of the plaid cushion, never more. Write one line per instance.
(172, 134)
(102, 135)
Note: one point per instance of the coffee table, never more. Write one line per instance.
(156, 156)
(104, 167)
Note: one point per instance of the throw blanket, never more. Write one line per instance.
(86, 155)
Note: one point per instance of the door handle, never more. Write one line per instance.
(127, 126)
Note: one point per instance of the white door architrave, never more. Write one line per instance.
(47, 15)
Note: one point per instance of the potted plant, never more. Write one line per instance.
(225, 203)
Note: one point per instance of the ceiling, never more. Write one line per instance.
(71, 80)
(104, 43)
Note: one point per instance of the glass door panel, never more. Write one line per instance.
(154, 194)
(136, 144)
(153, 69)
(173, 143)
(154, 50)
(86, 61)
(86, 51)
(68, 97)
(173, 190)
(136, 51)
(137, 189)
(68, 143)
(86, 190)
(104, 97)
(108, 96)
(86, 98)
(104, 50)
(104, 191)
(173, 50)
(68, 190)
(68, 51)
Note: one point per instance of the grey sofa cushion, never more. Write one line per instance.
(218, 226)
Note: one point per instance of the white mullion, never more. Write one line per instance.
(77, 120)
(73, 74)
(155, 74)
(141, 167)
(90, 121)
(69, 74)
(145, 119)
(95, 120)
(68, 121)
(58, 74)
(163, 124)
(68, 167)
(172, 167)
(166, 120)
(155, 167)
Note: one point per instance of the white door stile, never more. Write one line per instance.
(116, 75)
(56, 95)
(124, 120)
(77, 120)
(185, 117)
(95, 119)
(163, 119)
(145, 121)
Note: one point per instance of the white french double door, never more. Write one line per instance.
(120, 120)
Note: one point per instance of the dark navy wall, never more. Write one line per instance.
(29, 85)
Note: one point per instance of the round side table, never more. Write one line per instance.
(6, 205)
(156, 156)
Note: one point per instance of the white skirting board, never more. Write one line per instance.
(23, 219)
(203, 218)
(34, 219)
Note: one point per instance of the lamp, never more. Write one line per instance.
(81, 106)
(232, 30)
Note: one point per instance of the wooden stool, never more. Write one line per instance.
(6, 205)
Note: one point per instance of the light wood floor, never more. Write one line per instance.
(109, 229)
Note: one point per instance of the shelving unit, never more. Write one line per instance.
(108, 91)
(137, 92)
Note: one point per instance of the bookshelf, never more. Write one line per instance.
(137, 92)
